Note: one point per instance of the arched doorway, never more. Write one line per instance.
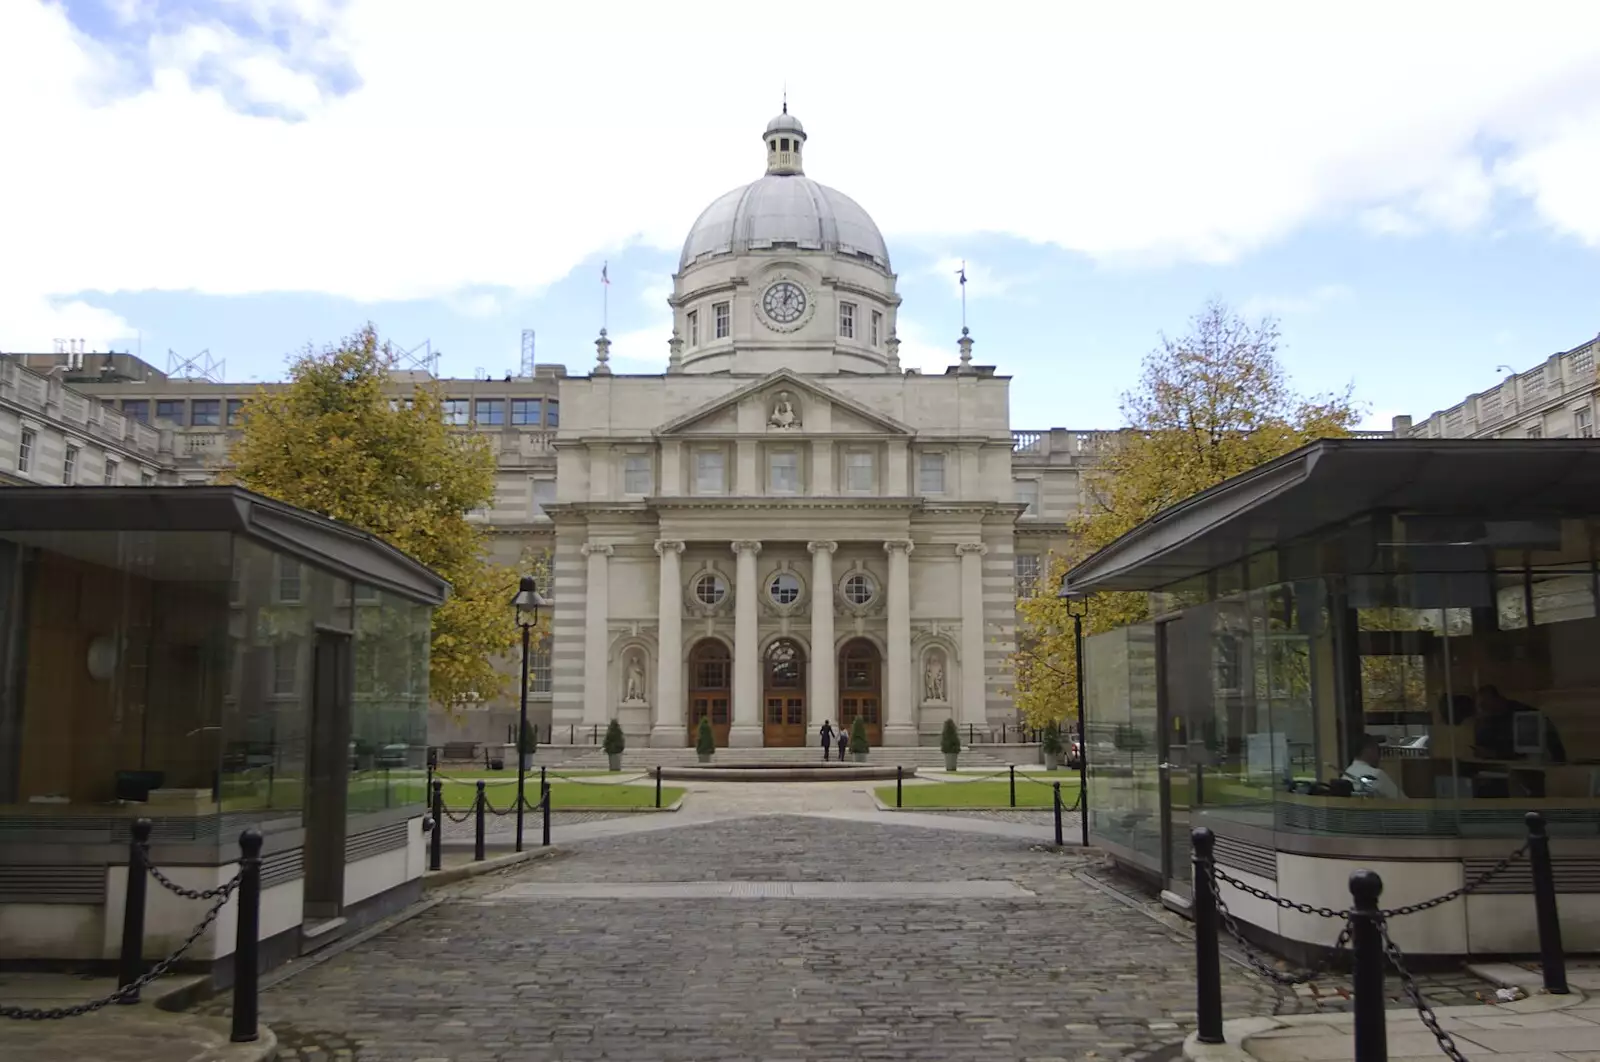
(710, 682)
(783, 688)
(860, 688)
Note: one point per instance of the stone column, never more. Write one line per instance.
(746, 729)
(597, 636)
(974, 692)
(899, 724)
(823, 692)
(668, 724)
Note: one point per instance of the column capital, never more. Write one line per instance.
(593, 548)
(898, 545)
(668, 545)
(821, 547)
(971, 547)
(747, 545)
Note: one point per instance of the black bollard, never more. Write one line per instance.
(546, 803)
(131, 967)
(477, 840)
(899, 780)
(247, 939)
(1059, 841)
(1366, 973)
(436, 843)
(1013, 785)
(1552, 959)
(658, 787)
(1207, 951)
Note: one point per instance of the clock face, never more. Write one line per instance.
(784, 302)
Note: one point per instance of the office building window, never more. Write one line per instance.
(1028, 494)
(69, 466)
(457, 412)
(710, 472)
(170, 409)
(137, 408)
(205, 412)
(636, 474)
(111, 473)
(930, 474)
(552, 414)
(491, 412)
(1026, 567)
(847, 320)
(235, 410)
(723, 318)
(527, 411)
(692, 326)
(783, 472)
(858, 471)
(25, 450)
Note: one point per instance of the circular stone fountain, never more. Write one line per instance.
(734, 771)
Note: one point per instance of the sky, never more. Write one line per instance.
(1412, 189)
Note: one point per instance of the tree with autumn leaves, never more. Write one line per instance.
(1209, 405)
(338, 440)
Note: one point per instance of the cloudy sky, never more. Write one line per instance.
(1413, 188)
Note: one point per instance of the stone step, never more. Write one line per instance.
(637, 759)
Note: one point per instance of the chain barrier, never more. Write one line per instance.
(1391, 950)
(611, 781)
(219, 896)
(178, 890)
(1253, 957)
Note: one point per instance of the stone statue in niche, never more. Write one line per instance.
(933, 677)
(633, 685)
(784, 415)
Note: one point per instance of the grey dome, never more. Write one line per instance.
(780, 211)
(786, 123)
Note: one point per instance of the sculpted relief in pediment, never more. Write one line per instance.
(785, 415)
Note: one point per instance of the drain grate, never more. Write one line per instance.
(766, 890)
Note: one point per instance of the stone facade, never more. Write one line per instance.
(1556, 399)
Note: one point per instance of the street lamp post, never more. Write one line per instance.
(1078, 606)
(528, 602)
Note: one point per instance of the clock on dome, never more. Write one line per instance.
(784, 302)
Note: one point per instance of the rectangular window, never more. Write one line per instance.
(552, 414)
(286, 667)
(527, 411)
(847, 320)
(288, 580)
(457, 412)
(147, 479)
(930, 474)
(25, 450)
(858, 471)
(783, 472)
(205, 412)
(111, 473)
(544, 493)
(877, 328)
(723, 318)
(137, 408)
(69, 467)
(235, 410)
(1028, 494)
(1026, 568)
(170, 409)
(636, 474)
(539, 670)
(710, 472)
(1535, 431)
(693, 328)
(491, 412)
(1583, 423)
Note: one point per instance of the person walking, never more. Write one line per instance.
(827, 739)
(844, 742)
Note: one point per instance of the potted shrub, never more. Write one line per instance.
(530, 745)
(1051, 747)
(614, 744)
(950, 744)
(858, 740)
(705, 742)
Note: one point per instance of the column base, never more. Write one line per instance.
(899, 735)
(669, 737)
(746, 736)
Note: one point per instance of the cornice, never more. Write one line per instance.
(785, 504)
(732, 284)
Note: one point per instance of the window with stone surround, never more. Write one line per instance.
(784, 588)
(1028, 494)
(710, 472)
(1583, 423)
(636, 474)
(860, 471)
(860, 589)
(111, 473)
(1026, 568)
(722, 317)
(1582, 366)
(491, 412)
(783, 472)
(692, 326)
(1535, 431)
(847, 320)
(205, 412)
(930, 473)
(539, 669)
(527, 412)
(876, 333)
(25, 448)
(709, 589)
(69, 466)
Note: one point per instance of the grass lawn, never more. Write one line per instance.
(996, 794)
(458, 796)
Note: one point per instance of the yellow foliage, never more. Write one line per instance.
(338, 441)
(1209, 405)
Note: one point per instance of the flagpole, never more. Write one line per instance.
(962, 273)
(605, 295)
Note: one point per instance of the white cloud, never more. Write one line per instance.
(1286, 305)
(982, 280)
(486, 148)
(919, 351)
(31, 323)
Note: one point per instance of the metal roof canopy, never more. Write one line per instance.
(315, 540)
(1332, 482)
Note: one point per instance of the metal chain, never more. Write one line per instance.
(465, 815)
(178, 890)
(1447, 1043)
(611, 781)
(1254, 958)
(1476, 883)
(225, 892)
(1261, 894)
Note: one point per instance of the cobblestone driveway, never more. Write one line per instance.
(1067, 973)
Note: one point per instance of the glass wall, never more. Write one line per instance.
(389, 719)
(1124, 778)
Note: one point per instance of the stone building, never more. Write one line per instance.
(1555, 399)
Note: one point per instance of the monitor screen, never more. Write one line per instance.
(1527, 733)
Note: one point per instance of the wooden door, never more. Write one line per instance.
(784, 695)
(710, 678)
(860, 693)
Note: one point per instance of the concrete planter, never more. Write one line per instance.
(527, 761)
(859, 757)
(1052, 760)
(705, 757)
(950, 760)
(614, 761)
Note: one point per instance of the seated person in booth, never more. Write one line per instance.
(1364, 774)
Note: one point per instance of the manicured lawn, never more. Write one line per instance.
(996, 794)
(458, 796)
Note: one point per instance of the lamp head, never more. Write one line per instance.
(529, 600)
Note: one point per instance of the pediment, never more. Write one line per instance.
(789, 401)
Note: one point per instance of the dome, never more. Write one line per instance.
(784, 211)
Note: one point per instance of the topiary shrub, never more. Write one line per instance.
(615, 742)
(950, 738)
(1052, 740)
(705, 742)
(858, 737)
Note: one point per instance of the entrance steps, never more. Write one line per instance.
(921, 756)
